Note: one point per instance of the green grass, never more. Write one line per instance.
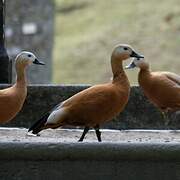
(87, 30)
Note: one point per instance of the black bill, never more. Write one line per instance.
(136, 55)
(36, 61)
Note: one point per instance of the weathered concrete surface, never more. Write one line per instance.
(20, 135)
(126, 155)
(138, 114)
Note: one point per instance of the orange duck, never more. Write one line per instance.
(162, 88)
(95, 105)
(12, 98)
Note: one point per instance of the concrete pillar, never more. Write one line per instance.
(30, 26)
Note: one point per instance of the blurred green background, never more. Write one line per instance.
(87, 30)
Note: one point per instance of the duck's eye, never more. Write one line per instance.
(125, 48)
(29, 55)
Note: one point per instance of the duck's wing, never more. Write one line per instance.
(173, 77)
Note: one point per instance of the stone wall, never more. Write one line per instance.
(30, 26)
(138, 114)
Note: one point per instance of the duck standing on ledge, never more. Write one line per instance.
(95, 105)
(162, 88)
(12, 98)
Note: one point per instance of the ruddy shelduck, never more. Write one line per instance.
(95, 105)
(162, 88)
(12, 98)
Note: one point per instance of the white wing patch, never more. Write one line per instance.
(55, 116)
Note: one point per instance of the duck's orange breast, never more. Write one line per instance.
(95, 105)
(162, 91)
(11, 102)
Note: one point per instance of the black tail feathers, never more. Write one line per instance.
(38, 125)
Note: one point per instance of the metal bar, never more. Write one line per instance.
(4, 59)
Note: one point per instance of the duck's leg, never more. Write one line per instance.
(98, 132)
(86, 129)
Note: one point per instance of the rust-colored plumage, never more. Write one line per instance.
(162, 88)
(12, 98)
(95, 105)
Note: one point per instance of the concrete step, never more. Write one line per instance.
(56, 154)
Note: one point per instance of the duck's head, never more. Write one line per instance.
(27, 58)
(124, 51)
(136, 62)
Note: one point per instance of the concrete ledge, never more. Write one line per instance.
(117, 145)
(90, 151)
(126, 155)
(139, 112)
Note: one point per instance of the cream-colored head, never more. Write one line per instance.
(124, 51)
(141, 63)
(27, 58)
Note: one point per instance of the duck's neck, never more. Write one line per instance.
(21, 80)
(145, 69)
(144, 76)
(119, 75)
